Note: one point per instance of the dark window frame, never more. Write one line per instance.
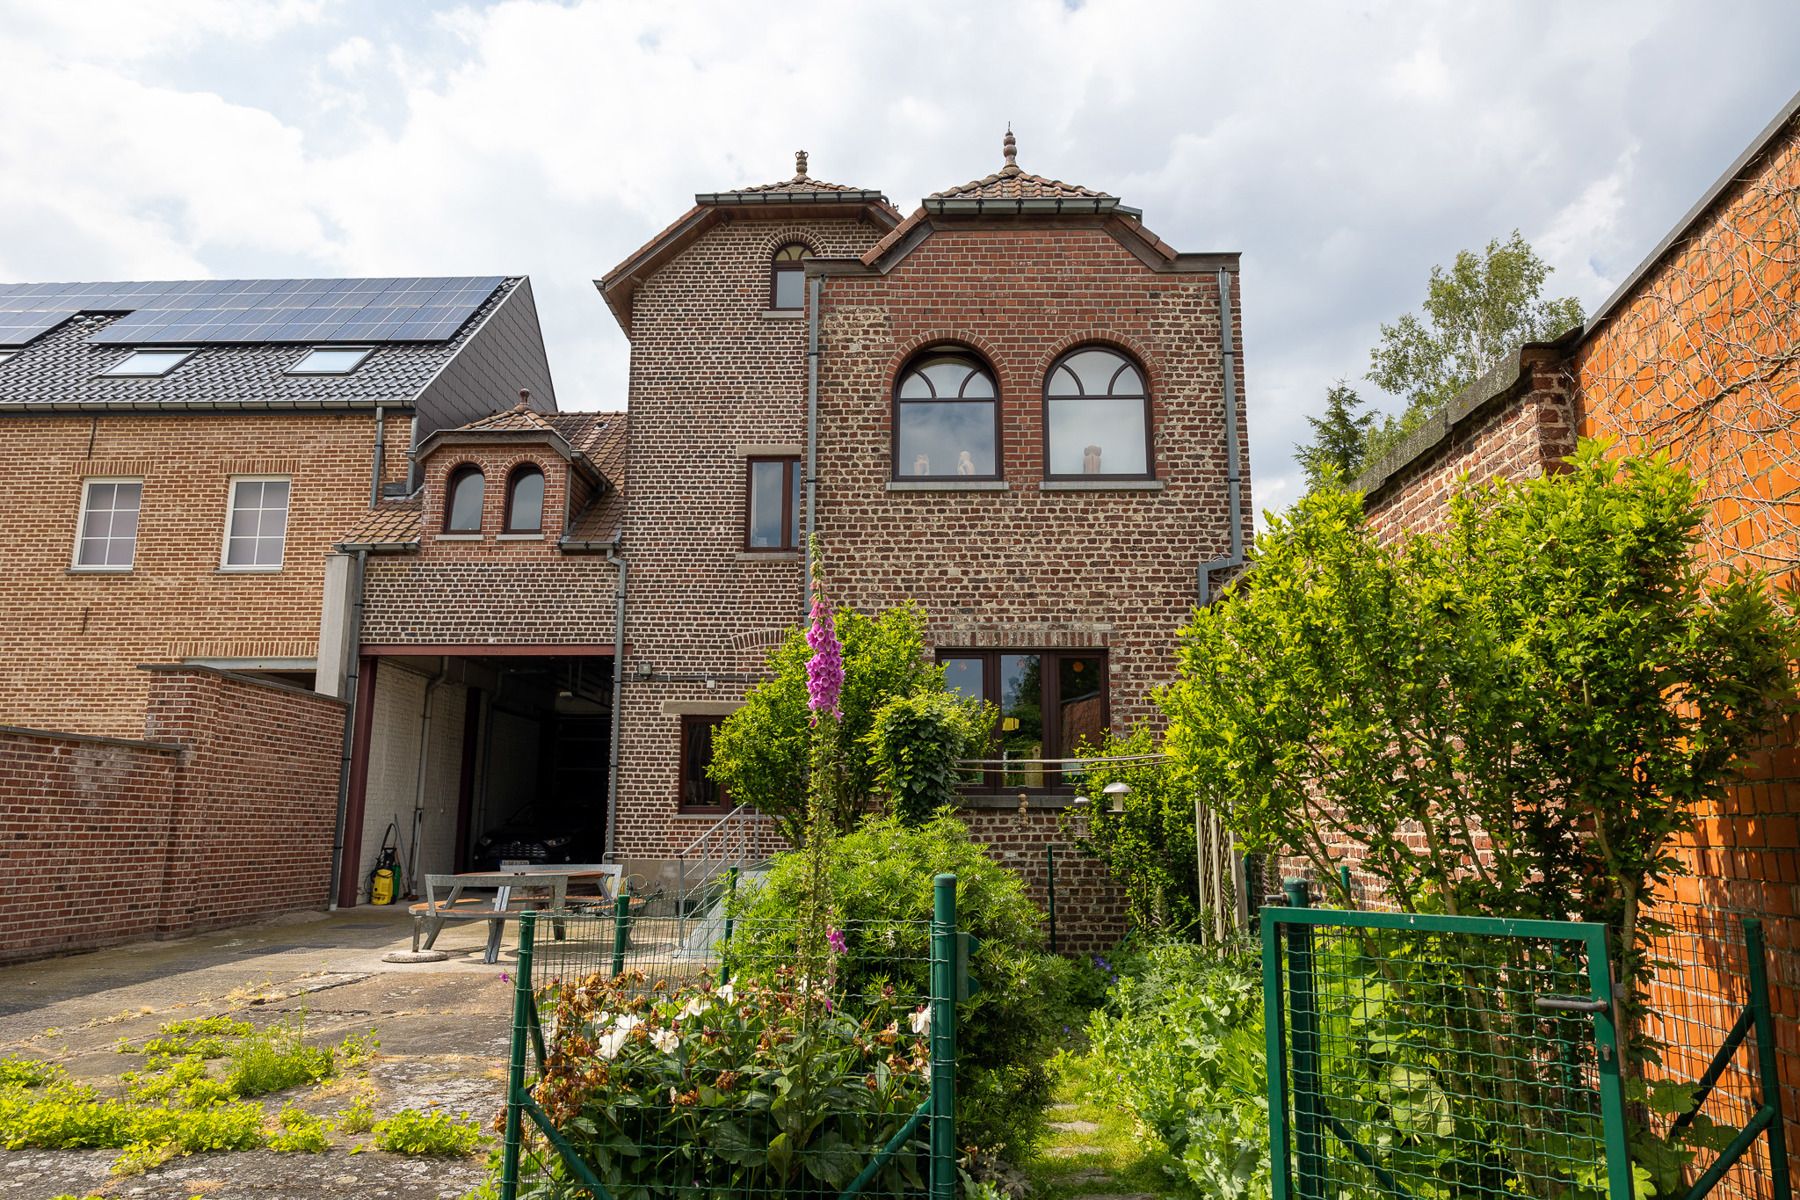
(454, 480)
(944, 350)
(1130, 360)
(779, 266)
(689, 723)
(517, 473)
(993, 779)
(789, 508)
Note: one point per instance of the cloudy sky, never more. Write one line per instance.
(1344, 148)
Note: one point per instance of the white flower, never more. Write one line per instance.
(727, 993)
(601, 1021)
(693, 1008)
(611, 1043)
(628, 1022)
(672, 1095)
(921, 1021)
(665, 1041)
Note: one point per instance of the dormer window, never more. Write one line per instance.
(787, 277)
(462, 500)
(148, 363)
(525, 500)
(331, 360)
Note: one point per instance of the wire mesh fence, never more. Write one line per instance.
(1439, 1056)
(751, 1058)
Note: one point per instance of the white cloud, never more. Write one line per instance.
(1343, 150)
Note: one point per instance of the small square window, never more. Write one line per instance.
(6, 354)
(106, 535)
(331, 360)
(149, 362)
(256, 525)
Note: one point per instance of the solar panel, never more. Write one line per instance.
(210, 311)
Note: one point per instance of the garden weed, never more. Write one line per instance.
(28, 1072)
(298, 1131)
(205, 1037)
(359, 1117)
(276, 1059)
(434, 1134)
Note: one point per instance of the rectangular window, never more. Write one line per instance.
(106, 539)
(699, 792)
(1050, 703)
(772, 504)
(256, 525)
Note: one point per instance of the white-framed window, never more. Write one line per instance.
(106, 534)
(256, 523)
(149, 363)
(331, 360)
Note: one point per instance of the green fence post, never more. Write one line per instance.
(515, 1074)
(1768, 1066)
(1274, 1016)
(1619, 1184)
(1050, 873)
(731, 882)
(621, 931)
(1309, 1135)
(1344, 883)
(943, 1039)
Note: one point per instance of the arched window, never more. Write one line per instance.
(946, 418)
(462, 500)
(525, 499)
(787, 276)
(1096, 416)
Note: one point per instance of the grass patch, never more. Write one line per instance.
(1116, 1158)
(436, 1135)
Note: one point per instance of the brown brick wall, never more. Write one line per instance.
(223, 814)
(72, 641)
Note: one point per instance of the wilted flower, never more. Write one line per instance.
(665, 1041)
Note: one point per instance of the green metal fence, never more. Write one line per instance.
(662, 1057)
(1450, 1057)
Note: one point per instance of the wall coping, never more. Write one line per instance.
(58, 735)
(236, 677)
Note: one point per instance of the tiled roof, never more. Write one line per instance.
(591, 433)
(393, 523)
(605, 437)
(517, 419)
(61, 370)
(799, 183)
(1012, 183)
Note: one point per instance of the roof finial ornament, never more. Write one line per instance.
(799, 164)
(1010, 148)
(524, 397)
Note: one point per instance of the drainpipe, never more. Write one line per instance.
(412, 856)
(1233, 477)
(812, 435)
(380, 455)
(354, 640)
(618, 685)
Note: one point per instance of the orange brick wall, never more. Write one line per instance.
(224, 813)
(72, 641)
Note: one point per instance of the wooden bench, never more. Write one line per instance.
(444, 901)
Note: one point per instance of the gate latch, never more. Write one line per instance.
(1582, 1004)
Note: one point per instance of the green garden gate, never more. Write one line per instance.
(1418, 1056)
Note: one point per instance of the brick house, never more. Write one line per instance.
(1017, 406)
(180, 459)
(1693, 355)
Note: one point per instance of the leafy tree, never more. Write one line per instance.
(761, 751)
(915, 744)
(1149, 847)
(1340, 438)
(1483, 307)
(1556, 674)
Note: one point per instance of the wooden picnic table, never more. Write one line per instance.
(546, 885)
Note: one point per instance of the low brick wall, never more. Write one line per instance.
(223, 813)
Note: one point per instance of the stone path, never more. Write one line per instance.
(1073, 1140)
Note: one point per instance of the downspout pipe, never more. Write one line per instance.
(1233, 465)
(618, 690)
(418, 813)
(814, 286)
(352, 670)
(380, 455)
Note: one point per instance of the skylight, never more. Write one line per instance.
(6, 354)
(333, 360)
(149, 362)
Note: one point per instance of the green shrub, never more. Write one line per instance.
(437, 1135)
(914, 744)
(277, 1058)
(881, 893)
(1181, 1046)
(1148, 847)
(757, 1087)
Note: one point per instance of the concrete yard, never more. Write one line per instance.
(443, 1029)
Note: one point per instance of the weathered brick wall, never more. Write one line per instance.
(712, 378)
(222, 814)
(566, 601)
(1090, 904)
(72, 641)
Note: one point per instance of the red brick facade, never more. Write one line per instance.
(72, 640)
(223, 813)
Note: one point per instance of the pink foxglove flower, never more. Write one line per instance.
(825, 669)
(836, 938)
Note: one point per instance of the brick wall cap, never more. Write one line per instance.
(238, 677)
(60, 735)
